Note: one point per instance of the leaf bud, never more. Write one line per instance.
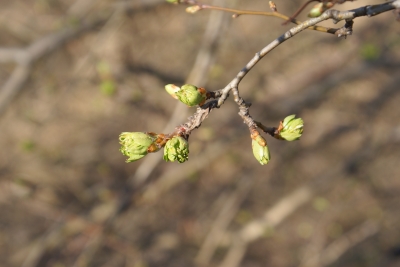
(291, 128)
(176, 148)
(320, 8)
(190, 95)
(135, 145)
(260, 150)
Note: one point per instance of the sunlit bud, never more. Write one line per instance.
(172, 89)
(176, 149)
(318, 9)
(173, 1)
(135, 145)
(190, 95)
(193, 9)
(291, 128)
(260, 150)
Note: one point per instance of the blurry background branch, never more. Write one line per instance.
(26, 57)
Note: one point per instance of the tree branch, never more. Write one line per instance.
(202, 112)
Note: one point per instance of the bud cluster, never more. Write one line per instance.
(136, 145)
(290, 129)
(176, 148)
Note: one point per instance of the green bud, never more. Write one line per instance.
(261, 153)
(173, 1)
(190, 96)
(292, 128)
(176, 148)
(135, 145)
(320, 8)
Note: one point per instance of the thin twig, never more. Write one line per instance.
(239, 12)
(301, 8)
(233, 86)
(26, 57)
(335, 15)
(297, 12)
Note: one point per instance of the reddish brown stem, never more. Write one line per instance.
(292, 17)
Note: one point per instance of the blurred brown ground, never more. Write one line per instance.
(67, 196)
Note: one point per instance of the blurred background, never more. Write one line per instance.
(75, 74)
